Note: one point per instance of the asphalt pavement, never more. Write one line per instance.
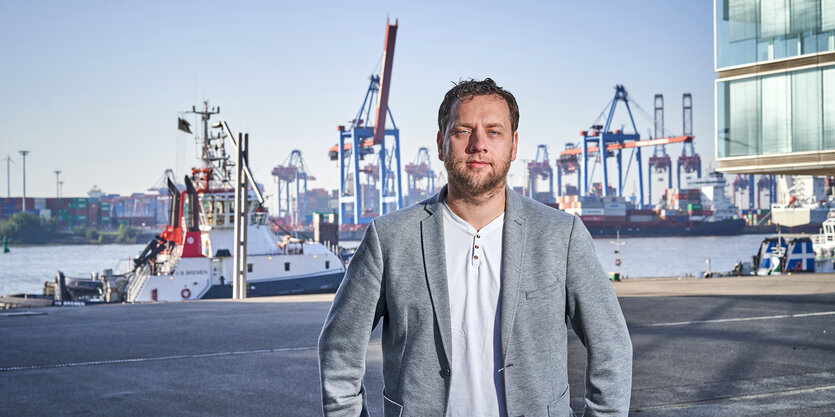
(743, 352)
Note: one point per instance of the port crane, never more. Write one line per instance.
(766, 182)
(613, 143)
(689, 160)
(540, 168)
(568, 164)
(744, 182)
(358, 139)
(292, 170)
(420, 178)
(659, 162)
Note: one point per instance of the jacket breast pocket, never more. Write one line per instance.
(543, 292)
(391, 408)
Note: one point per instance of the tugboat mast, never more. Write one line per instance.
(205, 115)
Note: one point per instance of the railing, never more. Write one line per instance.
(137, 281)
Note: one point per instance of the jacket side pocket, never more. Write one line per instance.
(561, 407)
(391, 408)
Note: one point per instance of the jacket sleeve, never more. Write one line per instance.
(357, 307)
(597, 320)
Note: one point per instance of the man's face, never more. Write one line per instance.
(478, 144)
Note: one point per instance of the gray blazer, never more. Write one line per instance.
(550, 274)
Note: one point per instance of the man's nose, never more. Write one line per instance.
(477, 141)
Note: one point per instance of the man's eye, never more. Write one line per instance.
(462, 132)
(494, 132)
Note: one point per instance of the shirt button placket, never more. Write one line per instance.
(477, 251)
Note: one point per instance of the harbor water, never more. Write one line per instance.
(25, 269)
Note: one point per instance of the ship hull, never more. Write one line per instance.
(730, 227)
(325, 283)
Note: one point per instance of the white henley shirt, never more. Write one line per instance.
(473, 266)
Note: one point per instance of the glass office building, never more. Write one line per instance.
(775, 92)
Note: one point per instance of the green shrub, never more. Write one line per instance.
(28, 228)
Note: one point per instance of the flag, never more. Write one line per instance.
(183, 125)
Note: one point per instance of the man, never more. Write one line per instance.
(475, 286)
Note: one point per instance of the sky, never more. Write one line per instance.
(94, 88)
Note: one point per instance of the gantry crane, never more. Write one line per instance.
(744, 182)
(567, 164)
(420, 178)
(290, 171)
(766, 182)
(359, 139)
(540, 168)
(689, 161)
(659, 161)
(601, 137)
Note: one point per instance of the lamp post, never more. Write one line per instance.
(24, 153)
(57, 184)
(60, 188)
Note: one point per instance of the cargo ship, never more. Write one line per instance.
(702, 209)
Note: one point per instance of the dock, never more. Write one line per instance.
(750, 346)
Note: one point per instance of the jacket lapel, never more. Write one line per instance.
(513, 246)
(434, 262)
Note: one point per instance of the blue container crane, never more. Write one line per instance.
(602, 137)
(359, 139)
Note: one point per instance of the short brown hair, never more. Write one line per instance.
(465, 90)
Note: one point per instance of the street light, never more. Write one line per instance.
(24, 153)
(60, 188)
(57, 184)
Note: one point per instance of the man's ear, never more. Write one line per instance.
(514, 146)
(440, 142)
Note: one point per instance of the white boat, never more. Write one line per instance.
(824, 245)
(192, 258)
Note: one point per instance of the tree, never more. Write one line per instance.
(125, 234)
(28, 228)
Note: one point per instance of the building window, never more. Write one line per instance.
(750, 31)
(287, 266)
(776, 114)
(327, 264)
(248, 267)
(806, 111)
(828, 79)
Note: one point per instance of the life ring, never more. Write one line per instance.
(617, 262)
(185, 293)
(797, 267)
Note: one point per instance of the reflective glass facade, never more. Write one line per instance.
(792, 111)
(753, 31)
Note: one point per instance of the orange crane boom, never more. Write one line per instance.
(385, 82)
(627, 145)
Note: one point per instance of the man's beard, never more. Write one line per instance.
(473, 184)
